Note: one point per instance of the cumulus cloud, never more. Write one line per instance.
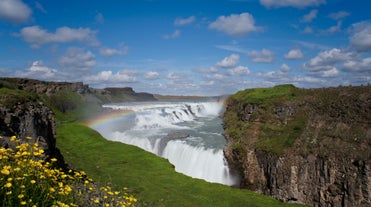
(77, 58)
(123, 50)
(329, 63)
(107, 76)
(329, 58)
(229, 61)
(361, 36)
(239, 70)
(362, 65)
(174, 35)
(339, 15)
(37, 36)
(294, 54)
(284, 68)
(151, 75)
(14, 11)
(264, 56)
(39, 70)
(310, 16)
(184, 21)
(173, 75)
(235, 24)
(291, 3)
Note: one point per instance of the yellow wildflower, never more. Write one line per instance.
(32, 181)
(13, 138)
(20, 196)
(5, 171)
(53, 159)
(8, 185)
(23, 203)
(52, 190)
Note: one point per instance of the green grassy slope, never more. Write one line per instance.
(152, 179)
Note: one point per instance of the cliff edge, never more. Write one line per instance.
(309, 146)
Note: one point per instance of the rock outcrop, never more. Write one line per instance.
(32, 120)
(309, 146)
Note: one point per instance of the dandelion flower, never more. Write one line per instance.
(32, 181)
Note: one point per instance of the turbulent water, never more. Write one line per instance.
(200, 155)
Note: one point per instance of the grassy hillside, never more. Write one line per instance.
(152, 179)
(273, 119)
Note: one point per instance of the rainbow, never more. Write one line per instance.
(108, 116)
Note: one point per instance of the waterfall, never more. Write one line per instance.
(199, 154)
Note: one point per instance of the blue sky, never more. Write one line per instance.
(188, 47)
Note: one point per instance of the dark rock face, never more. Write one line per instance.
(31, 120)
(329, 161)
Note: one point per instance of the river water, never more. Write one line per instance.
(148, 125)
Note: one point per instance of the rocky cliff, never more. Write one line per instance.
(310, 146)
(32, 120)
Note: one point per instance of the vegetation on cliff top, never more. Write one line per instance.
(305, 120)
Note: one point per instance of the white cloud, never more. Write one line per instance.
(336, 28)
(14, 11)
(363, 65)
(174, 35)
(310, 16)
(339, 15)
(173, 75)
(294, 54)
(184, 21)
(216, 76)
(361, 36)
(77, 58)
(39, 70)
(326, 63)
(284, 68)
(239, 70)
(151, 75)
(229, 61)
(123, 50)
(235, 24)
(232, 48)
(38, 36)
(265, 56)
(291, 3)
(110, 78)
(329, 58)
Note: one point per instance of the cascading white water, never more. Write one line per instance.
(200, 155)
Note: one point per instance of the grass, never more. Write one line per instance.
(265, 95)
(152, 179)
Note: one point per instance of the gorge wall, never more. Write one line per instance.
(310, 146)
